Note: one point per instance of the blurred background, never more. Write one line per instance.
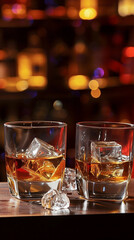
(66, 60)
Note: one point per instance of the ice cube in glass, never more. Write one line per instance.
(39, 148)
(35, 166)
(103, 151)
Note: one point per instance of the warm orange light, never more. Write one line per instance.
(16, 10)
(96, 93)
(21, 85)
(103, 82)
(88, 4)
(80, 47)
(36, 14)
(88, 9)
(87, 13)
(72, 13)
(38, 58)
(11, 84)
(126, 7)
(24, 66)
(19, 10)
(3, 83)
(93, 84)
(78, 82)
(59, 11)
(37, 81)
(7, 12)
(2, 54)
(129, 51)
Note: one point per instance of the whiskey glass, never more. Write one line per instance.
(103, 159)
(35, 153)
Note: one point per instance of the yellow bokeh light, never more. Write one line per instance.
(88, 4)
(88, 13)
(78, 82)
(37, 81)
(96, 93)
(21, 85)
(24, 67)
(126, 7)
(93, 84)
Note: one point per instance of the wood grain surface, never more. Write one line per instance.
(12, 207)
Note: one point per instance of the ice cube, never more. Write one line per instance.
(69, 181)
(95, 170)
(39, 148)
(55, 200)
(47, 169)
(95, 167)
(103, 151)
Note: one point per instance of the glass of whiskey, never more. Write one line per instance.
(103, 159)
(35, 153)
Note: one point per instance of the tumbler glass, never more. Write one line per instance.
(104, 157)
(35, 153)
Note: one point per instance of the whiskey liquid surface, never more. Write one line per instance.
(39, 169)
(29, 179)
(116, 171)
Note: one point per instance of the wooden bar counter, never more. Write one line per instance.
(90, 220)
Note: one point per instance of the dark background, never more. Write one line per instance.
(105, 39)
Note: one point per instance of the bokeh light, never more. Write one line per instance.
(19, 9)
(93, 84)
(96, 93)
(7, 13)
(57, 105)
(78, 82)
(72, 13)
(37, 81)
(128, 52)
(87, 13)
(80, 47)
(21, 85)
(126, 7)
(24, 67)
(98, 72)
(103, 82)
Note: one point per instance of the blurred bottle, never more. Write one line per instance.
(32, 63)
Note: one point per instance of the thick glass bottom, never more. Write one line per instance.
(31, 190)
(106, 191)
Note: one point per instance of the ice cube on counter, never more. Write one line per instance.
(55, 200)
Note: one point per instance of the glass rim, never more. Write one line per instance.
(105, 125)
(35, 124)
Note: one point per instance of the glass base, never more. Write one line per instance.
(31, 190)
(104, 191)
